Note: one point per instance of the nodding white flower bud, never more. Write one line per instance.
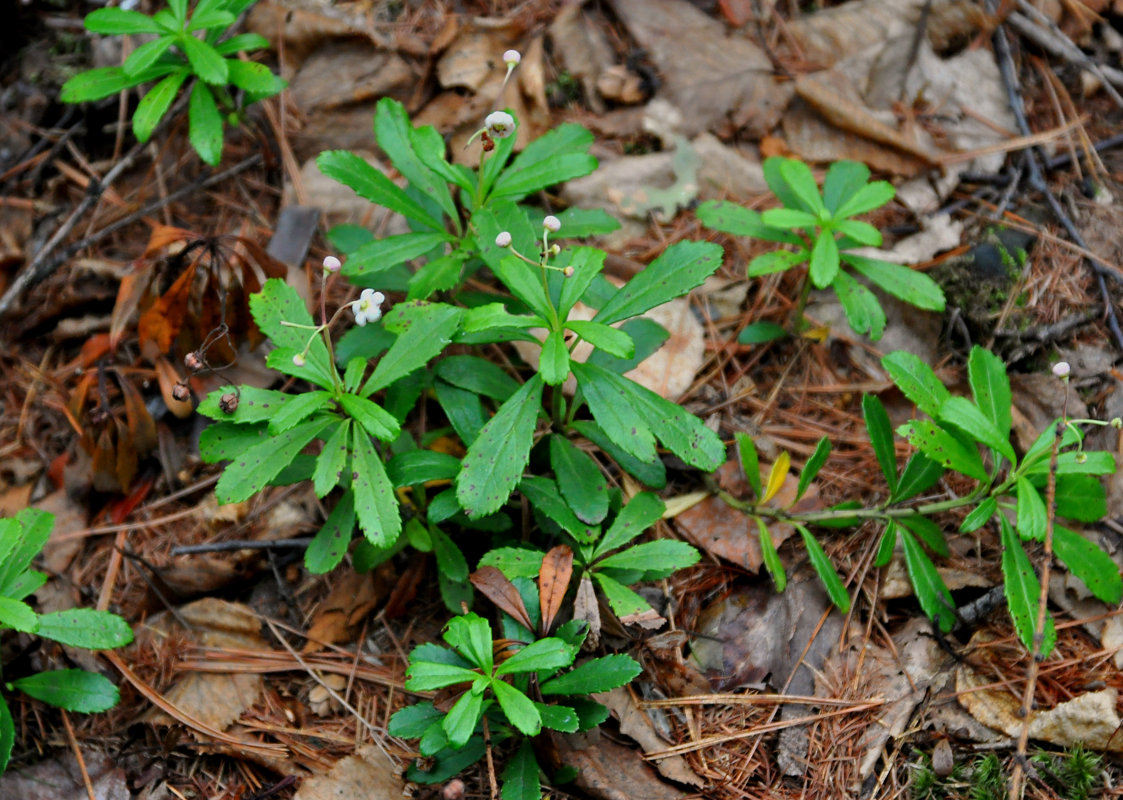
(512, 58)
(299, 360)
(500, 124)
(552, 224)
(368, 308)
(503, 239)
(1061, 369)
(568, 272)
(332, 264)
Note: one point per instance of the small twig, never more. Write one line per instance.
(490, 762)
(242, 544)
(78, 756)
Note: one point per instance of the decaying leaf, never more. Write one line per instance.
(495, 586)
(369, 774)
(635, 722)
(610, 771)
(353, 596)
(587, 608)
(553, 583)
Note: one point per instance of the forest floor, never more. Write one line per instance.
(297, 673)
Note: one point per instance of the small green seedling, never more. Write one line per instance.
(821, 231)
(21, 539)
(184, 46)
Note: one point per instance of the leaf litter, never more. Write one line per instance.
(902, 111)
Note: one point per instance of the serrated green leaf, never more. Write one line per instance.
(790, 219)
(425, 676)
(681, 267)
(146, 55)
(929, 532)
(920, 474)
(871, 196)
(514, 562)
(520, 776)
(94, 84)
(1032, 517)
(656, 560)
(1081, 497)
(740, 221)
(944, 448)
(518, 707)
(21, 539)
(980, 515)
(155, 104)
(376, 505)
(799, 179)
(394, 132)
(622, 600)
(380, 255)
(770, 557)
(376, 420)
(544, 654)
(415, 467)
(205, 61)
(298, 409)
(608, 401)
(1089, 563)
(476, 375)
(427, 328)
(931, 592)
(450, 561)
(412, 721)
(859, 232)
(651, 473)
(556, 156)
(461, 721)
(961, 413)
(370, 184)
(823, 264)
(119, 22)
(844, 178)
(223, 441)
(596, 675)
(330, 543)
(609, 339)
(252, 470)
(464, 410)
(544, 495)
(887, 545)
(1093, 462)
(750, 462)
(761, 333)
(332, 459)
(863, 312)
(496, 459)
(991, 388)
(242, 43)
(587, 263)
(915, 288)
(1023, 591)
(253, 77)
(917, 381)
(71, 689)
(580, 480)
(812, 466)
(880, 431)
(641, 512)
(17, 615)
(553, 363)
(278, 303)
(254, 405)
(823, 567)
(85, 627)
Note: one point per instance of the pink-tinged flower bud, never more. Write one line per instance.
(568, 272)
(1061, 369)
(512, 58)
(552, 224)
(554, 249)
(181, 393)
(332, 264)
(503, 239)
(299, 360)
(500, 124)
(228, 403)
(193, 362)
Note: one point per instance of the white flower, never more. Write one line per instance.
(503, 239)
(512, 58)
(298, 359)
(368, 308)
(332, 264)
(1061, 369)
(552, 224)
(500, 124)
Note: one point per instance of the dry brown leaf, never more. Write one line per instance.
(553, 583)
(474, 57)
(579, 40)
(368, 774)
(587, 608)
(812, 138)
(636, 723)
(495, 586)
(353, 596)
(609, 771)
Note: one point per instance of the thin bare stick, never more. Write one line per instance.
(78, 756)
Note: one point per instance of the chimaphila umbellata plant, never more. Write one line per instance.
(185, 45)
(21, 539)
(822, 230)
(969, 436)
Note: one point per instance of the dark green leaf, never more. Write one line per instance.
(544, 654)
(461, 721)
(887, 545)
(641, 512)
(961, 413)
(544, 495)
(17, 615)
(85, 627)
(411, 722)
(831, 582)
(931, 592)
(450, 561)
(580, 480)
(253, 77)
(379, 255)
(415, 467)
(297, 409)
(394, 132)
(920, 475)
(477, 375)
(464, 410)
(370, 184)
(812, 466)
(514, 562)
(1023, 592)
(252, 470)
(118, 22)
(770, 557)
(518, 707)
(155, 104)
(581, 222)
(609, 339)
(205, 61)
(651, 473)
(622, 600)
(330, 543)
(496, 459)
(863, 311)
(1081, 497)
(917, 380)
(750, 463)
(1093, 462)
(243, 42)
(146, 55)
(332, 459)
(553, 363)
(880, 432)
(760, 333)
(931, 533)
(915, 288)
(1032, 517)
(72, 689)
(596, 675)
(656, 560)
(944, 448)
(376, 505)
(520, 776)
(426, 329)
(680, 268)
(7, 734)
(564, 167)
(437, 275)
(1089, 563)
(277, 303)
(222, 441)
(94, 84)
(979, 516)
(377, 421)
(844, 178)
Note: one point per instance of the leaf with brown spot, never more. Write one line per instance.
(553, 582)
(494, 585)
